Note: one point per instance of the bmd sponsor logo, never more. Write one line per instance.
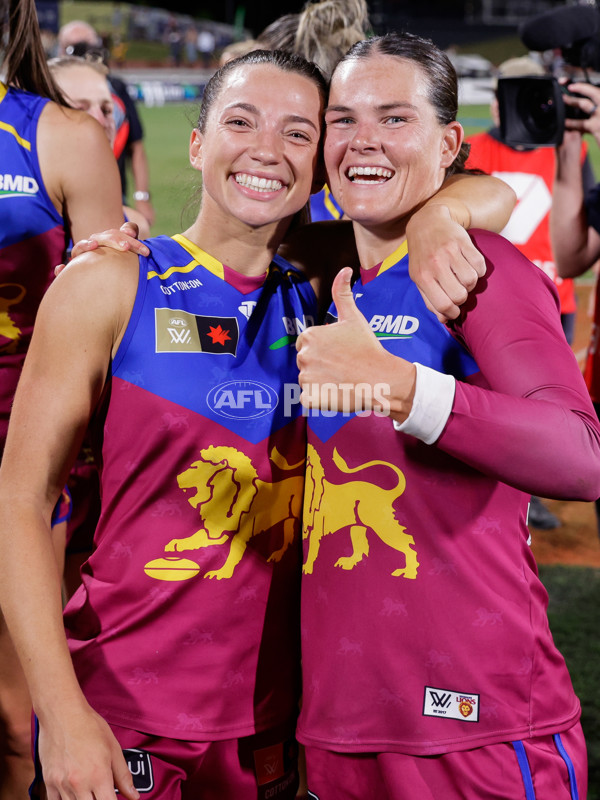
(393, 327)
(17, 185)
(242, 399)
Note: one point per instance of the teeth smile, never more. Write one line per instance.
(369, 173)
(258, 184)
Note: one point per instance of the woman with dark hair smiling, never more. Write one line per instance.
(429, 669)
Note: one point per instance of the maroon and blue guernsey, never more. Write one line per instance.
(424, 626)
(32, 237)
(187, 621)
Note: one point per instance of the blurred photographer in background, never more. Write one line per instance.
(575, 214)
(575, 220)
(529, 169)
(533, 108)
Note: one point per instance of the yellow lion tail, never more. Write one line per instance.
(281, 462)
(343, 467)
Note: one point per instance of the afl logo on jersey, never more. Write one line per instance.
(242, 399)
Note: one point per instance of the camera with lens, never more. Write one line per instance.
(532, 109)
(533, 112)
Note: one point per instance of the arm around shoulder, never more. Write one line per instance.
(477, 201)
(444, 263)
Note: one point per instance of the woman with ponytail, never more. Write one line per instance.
(51, 191)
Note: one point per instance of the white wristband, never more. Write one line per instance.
(432, 404)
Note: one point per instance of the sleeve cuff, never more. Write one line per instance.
(432, 404)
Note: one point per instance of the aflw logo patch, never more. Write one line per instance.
(182, 332)
(268, 763)
(452, 705)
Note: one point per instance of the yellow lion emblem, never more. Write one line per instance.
(361, 506)
(8, 329)
(234, 504)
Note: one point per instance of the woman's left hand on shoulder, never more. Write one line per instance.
(122, 239)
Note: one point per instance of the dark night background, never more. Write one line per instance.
(260, 13)
(384, 14)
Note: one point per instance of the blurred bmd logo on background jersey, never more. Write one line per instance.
(182, 332)
(17, 185)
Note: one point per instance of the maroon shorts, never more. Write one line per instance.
(543, 768)
(257, 767)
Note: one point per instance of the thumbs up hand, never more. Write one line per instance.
(343, 367)
(343, 298)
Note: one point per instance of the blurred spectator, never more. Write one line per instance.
(118, 51)
(84, 84)
(280, 34)
(76, 38)
(174, 40)
(191, 52)
(205, 45)
(237, 49)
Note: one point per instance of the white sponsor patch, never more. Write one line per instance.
(450, 704)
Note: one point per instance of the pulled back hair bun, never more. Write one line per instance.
(322, 32)
(280, 34)
(327, 29)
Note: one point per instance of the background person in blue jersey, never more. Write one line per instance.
(441, 678)
(46, 175)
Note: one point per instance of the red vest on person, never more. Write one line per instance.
(531, 174)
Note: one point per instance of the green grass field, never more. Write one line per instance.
(574, 591)
(173, 182)
(574, 616)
